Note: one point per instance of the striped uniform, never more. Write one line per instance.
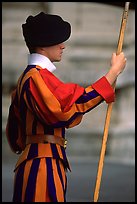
(46, 105)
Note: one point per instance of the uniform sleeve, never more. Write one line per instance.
(63, 105)
(103, 87)
(14, 130)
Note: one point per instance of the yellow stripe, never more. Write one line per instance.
(47, 95)
(57, 182)
(29, 74)
(23, 156)
(89, 89)
(58, 131)
(41, 182)
(76, 121)
(44, 150)
(86, 106)
(25, 178)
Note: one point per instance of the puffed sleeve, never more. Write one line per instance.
(64, 104)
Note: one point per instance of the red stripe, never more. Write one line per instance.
(66, 94)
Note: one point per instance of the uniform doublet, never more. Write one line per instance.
(48, 106)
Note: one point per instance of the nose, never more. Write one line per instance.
(62, 45)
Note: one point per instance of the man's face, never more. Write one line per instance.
(54, 53)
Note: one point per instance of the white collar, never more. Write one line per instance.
(41, 60)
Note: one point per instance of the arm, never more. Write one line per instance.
(118, 63)
(62, 104)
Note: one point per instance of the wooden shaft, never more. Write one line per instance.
(109, 108)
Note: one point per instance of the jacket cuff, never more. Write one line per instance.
(103, 87)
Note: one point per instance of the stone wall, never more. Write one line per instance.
(95, 31)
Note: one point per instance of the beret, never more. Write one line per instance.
(45, 30)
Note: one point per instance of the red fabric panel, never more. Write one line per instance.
(66, 94)
(103, 87)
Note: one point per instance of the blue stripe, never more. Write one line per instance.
(87, 97)
(54, 151)
(26, 83)
(61, 179)
(48, 129)
(28, 68)
(66, 123)
(63, 132)
(30, 189)
(34, 126)
(23, 107)
(17, 195)
(94, 106)
(24, 88)
(33, 151)
(50, 180)
(25, 71)
(28, 98)
(65, 160)
(59, 172)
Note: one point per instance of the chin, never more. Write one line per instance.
(58, 60)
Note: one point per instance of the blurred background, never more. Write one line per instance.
(95, 31)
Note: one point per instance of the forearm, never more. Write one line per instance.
(111, 76)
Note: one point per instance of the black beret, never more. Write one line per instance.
(45, 30)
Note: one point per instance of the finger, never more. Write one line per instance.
(114, 54)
